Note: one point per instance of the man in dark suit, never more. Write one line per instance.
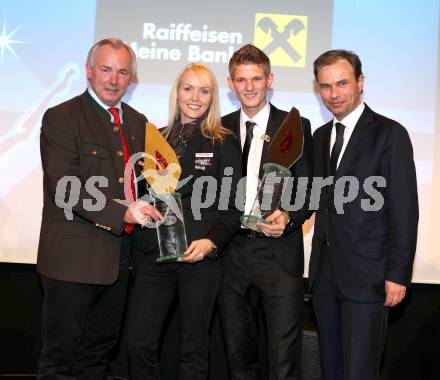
(86, 233)
(268, 263)
(362, 250)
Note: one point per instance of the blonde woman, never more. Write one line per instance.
(204, 148)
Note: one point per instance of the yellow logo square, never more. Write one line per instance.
(282, 37)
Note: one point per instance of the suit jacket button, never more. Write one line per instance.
(94, 153)
(115, 128)
(121, 179)
(120, 153)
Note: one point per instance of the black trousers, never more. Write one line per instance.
(351, 334)
(80, 324)
(155, 286)
(251, 265)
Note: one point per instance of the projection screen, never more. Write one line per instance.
(43, 45)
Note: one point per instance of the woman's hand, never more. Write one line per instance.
(197, 250)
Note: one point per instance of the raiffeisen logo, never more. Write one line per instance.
(282, 37)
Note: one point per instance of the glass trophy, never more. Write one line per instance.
(171, 229)
(268, 197)
(162, 172)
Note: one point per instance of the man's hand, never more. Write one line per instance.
(141, 212)
(278, 223)
(395, 293)
(197, 250)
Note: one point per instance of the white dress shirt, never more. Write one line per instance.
(349, 122)
(255, 151)
(106, 107)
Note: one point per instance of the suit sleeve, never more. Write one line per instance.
(228, 221)
(402, 202)
(61, 158)
(302, 172)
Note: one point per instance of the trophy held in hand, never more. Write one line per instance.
(285, 149)
(162, 172)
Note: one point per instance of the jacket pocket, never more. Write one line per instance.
(95, 150)
(72, 228)
(373, 248)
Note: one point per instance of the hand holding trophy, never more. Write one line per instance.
(284, 150)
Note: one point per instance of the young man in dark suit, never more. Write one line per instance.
(362, 250)
(268, 263)
(86, 234)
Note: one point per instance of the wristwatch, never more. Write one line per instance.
(213, 254)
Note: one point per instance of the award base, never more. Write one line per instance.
(170, 258)
(268, 197)
(171, 234)
(250, 221)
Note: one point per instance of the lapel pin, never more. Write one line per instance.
(266, 138)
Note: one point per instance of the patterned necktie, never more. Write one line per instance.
(117, 122)
(337, 147)
(247, 144)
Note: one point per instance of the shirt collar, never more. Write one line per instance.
(352, 118)
(103, 105)
(261, 118)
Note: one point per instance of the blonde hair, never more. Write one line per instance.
(211, 125)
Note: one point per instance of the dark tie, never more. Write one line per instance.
(337, 147)
(117, 122)
(247, 144)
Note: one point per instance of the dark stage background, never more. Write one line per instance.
(412, 352)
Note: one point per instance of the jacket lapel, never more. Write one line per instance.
(195, 145)
(100, 127)
(235, 125)
(133, 135)
(353, 146)
(325, 149)
(97, 116)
